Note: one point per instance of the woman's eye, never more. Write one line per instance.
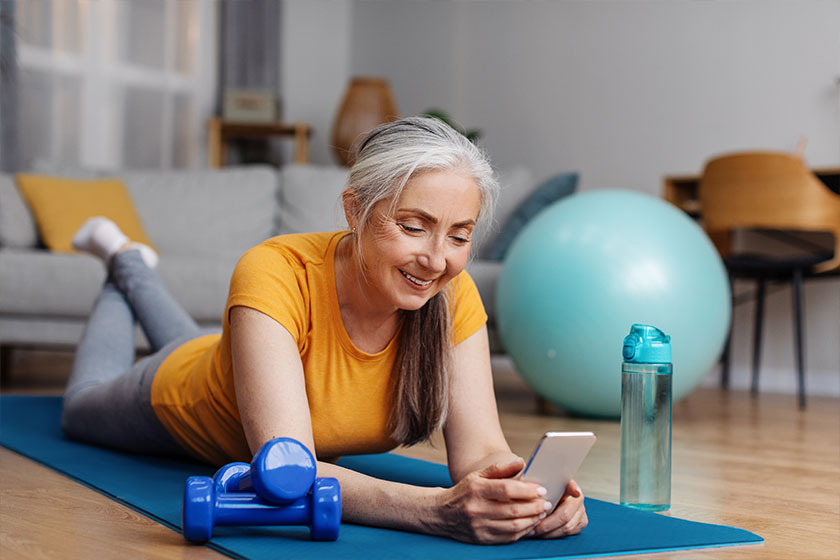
(460, 240)
(410, 229)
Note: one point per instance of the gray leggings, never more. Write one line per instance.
(108, 396)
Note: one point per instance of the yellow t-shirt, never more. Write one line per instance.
(292, 279)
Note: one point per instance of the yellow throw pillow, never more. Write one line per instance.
(61, 206)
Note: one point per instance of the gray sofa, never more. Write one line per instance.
(201, 221)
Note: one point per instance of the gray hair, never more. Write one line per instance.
(389, 155)
(385, 160)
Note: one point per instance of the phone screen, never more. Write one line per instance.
(556, 459)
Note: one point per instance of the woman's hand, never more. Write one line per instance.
(568, 519)
(489, 507)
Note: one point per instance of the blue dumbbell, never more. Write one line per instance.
(281, 471)
(205, 508)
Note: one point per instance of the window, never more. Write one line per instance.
(115, 83)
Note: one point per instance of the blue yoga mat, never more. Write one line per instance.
(154, 487)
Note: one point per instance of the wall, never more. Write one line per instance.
(417, 46)
(624, 92)
(316, 53)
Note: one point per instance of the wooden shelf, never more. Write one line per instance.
(221, 132)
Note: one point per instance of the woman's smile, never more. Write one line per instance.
(413, 247)
(416, 281)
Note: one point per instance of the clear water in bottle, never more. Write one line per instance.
(646, 436)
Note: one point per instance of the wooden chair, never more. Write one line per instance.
(769, 191)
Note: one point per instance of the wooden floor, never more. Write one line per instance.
(759, 464)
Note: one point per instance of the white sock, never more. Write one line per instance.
(101, 237)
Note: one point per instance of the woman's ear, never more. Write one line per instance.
(351, 207)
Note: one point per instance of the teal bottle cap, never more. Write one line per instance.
(646, 345)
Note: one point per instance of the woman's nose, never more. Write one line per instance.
(433, 256)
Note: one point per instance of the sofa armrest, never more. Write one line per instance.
(485, 274)
(17, 226)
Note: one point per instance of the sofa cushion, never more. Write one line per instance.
(226, 210)
(309, 198)
(548, 192)
(38, 283)
(205, 212)
(62, 205)
(515, 185)
(199, 284)
(17, 226)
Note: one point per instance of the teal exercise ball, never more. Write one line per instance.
(588, 267)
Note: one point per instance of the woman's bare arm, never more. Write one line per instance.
(485, 505)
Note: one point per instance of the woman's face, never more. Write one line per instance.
(413, 252)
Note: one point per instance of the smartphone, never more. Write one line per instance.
(555, 461)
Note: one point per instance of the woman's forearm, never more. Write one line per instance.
(486, 506)
(501, 456)
(371, 501)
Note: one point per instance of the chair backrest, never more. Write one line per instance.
(767, 190)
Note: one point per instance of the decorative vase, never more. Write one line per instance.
(367, 103)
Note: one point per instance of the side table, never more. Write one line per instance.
(221, 132)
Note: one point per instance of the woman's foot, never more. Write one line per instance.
(101, 237)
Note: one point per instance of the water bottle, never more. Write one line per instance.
(646, 375)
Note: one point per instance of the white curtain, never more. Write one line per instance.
(115, 83)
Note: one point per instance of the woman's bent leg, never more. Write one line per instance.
(108, 397)
(161, 317)
(107, 400)
(106, 348)
(118, 412)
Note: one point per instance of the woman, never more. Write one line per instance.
(350, 342)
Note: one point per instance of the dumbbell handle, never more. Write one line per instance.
(245, 508)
